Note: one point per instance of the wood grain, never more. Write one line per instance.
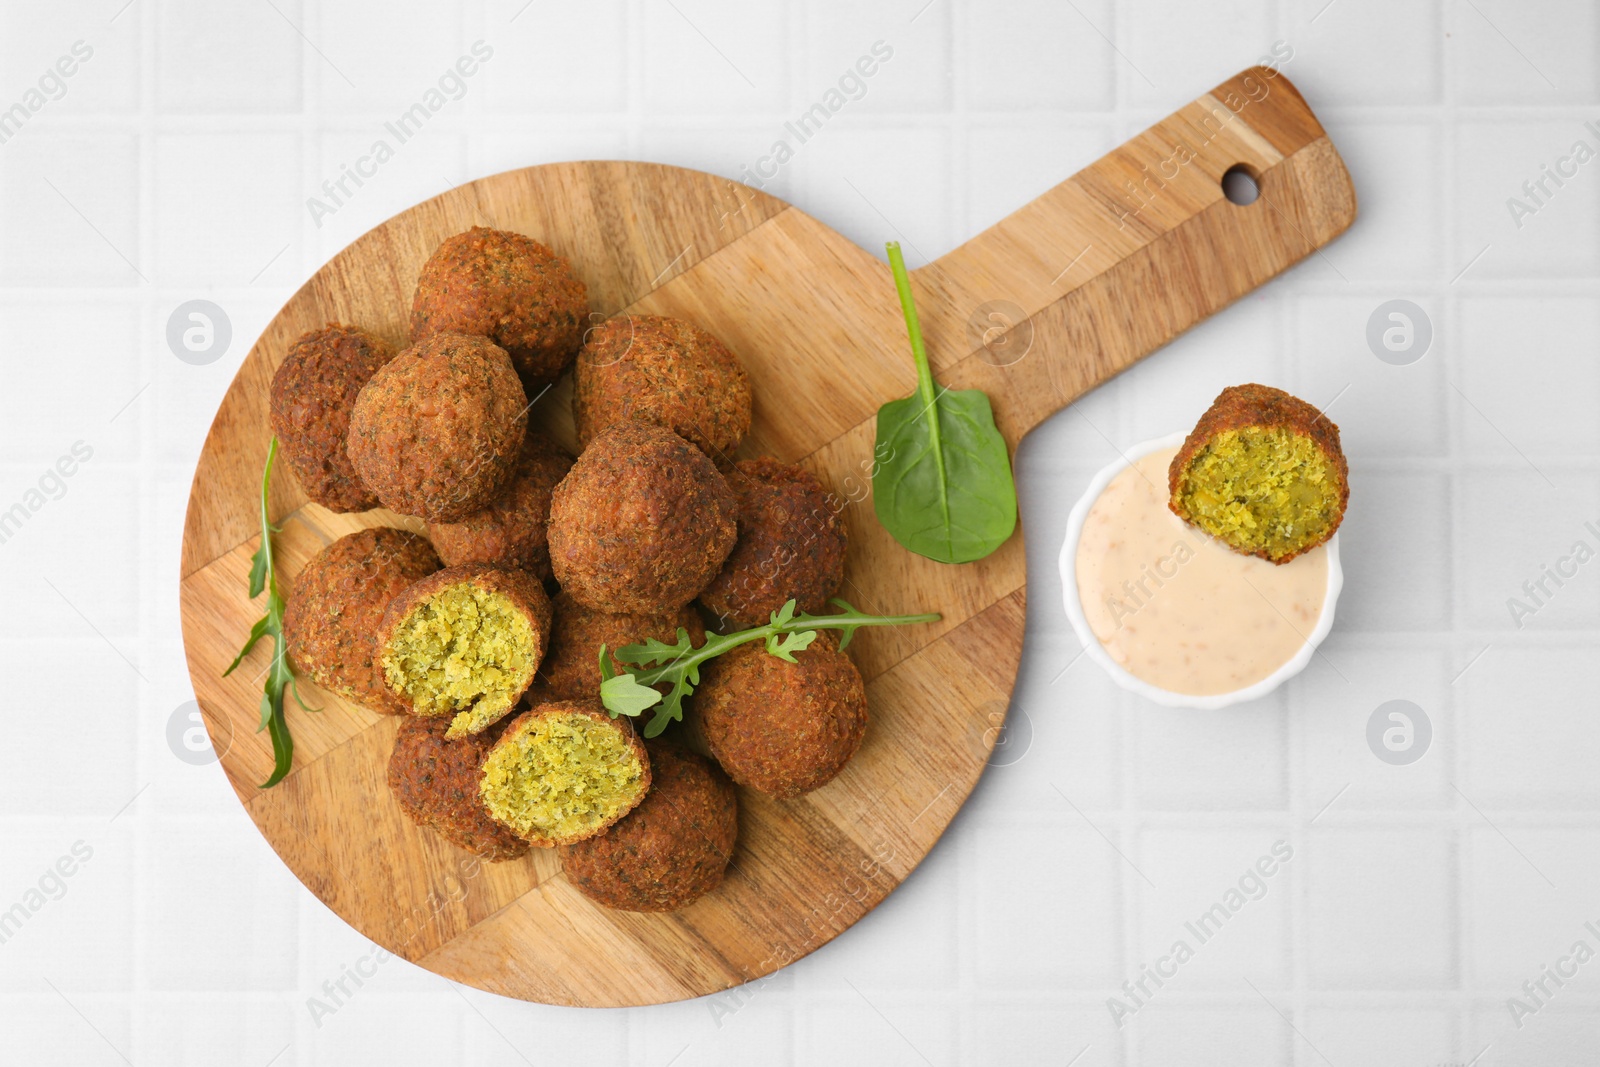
(1099, 272)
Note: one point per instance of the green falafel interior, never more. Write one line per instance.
(465, 651)
(1262, 490)
(562, 776)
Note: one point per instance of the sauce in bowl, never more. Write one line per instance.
(1179, 610)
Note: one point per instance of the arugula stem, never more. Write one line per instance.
(925, 385)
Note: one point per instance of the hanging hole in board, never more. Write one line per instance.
(1240, 186)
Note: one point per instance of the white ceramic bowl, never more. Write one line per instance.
(1155, 694)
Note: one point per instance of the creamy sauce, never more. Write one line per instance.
(1180, 610)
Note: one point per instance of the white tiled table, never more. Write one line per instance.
(177, 166)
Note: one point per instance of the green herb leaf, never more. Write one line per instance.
(656, 663)
(623, 695)
(944, 487)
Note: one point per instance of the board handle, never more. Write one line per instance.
(1117, 260)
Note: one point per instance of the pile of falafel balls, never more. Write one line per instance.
(487, 632)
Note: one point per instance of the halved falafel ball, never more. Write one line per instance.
(1262, 472)
(511, 289)
(783, 728)
(336, 604)
(436, 782)
(791, 545)
(564, 771)
(511, 530)
(672, 849)
(572, 666)
(464, 642)
(666, 371)
(641, 523)
(313, 392)
(438, 429)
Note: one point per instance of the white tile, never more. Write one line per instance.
(1512, 760)
(37, 50)
(1562, 1032)
(1398, 45)
(1339, 767)
(886, 203)
(390, 62)
(226, 58)
(1179, 52)
(1505, 409)
(1007, 45)
(1380, 909)
(69, 211)
(68, 906)
(69, 1025)
(906, 48)
(878, 1031)
(760, 154)
(526, 74)
(1518, 922)
(1397, 171)
(1247, 1035)
(1382, 1037)
(1493, 161)
(1525, 52)
(1382, 410)
(1013, 161)
(428, 162)
(80, 387)
(1522, 539)
(715, 50)
(760, 1030)
(1233, 758)
(375, 1027)
(230, 208)
(238, 1030)
(1005, 1032)
(1068, 863)
(1394, 546)
(1210, 892)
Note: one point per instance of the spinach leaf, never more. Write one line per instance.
(943, 488)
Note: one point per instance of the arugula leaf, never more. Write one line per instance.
(944, 489)
(656, 662)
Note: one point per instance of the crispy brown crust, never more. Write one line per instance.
(336, 604)
(597, 712)
(666, 371)
(791, 545)
(672, 849)
(511, 529)
(571, 667)
(641, 523)
(313, 392)
(523, 589)
(782, 728)
(435, 782)
(438, 429)
(509, 288)
(1239, 406)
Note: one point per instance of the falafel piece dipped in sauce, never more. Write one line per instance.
(641, 523)
(783, 728)
(435, 782)
(571, 667)
(1262, 472)
(313, 393)
(672, 849)
(511, 289)
(791, 546)
(511, 529)
(438, 430)
(336, 604)
(665, 371)
(464, 643)
(564, 771)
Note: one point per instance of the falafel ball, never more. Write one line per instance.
(641, 523)
(436, 783)
(1263, 472)
(336, 604)
(571, 667)
(313, 392)
(666, 371)
(672, 849)
(511, 289)
(783, 728)
(791, 545)
(438, 430)
(511, 530)
(464, 642)
(564, 771)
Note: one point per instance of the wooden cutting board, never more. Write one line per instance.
(1105, 268)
